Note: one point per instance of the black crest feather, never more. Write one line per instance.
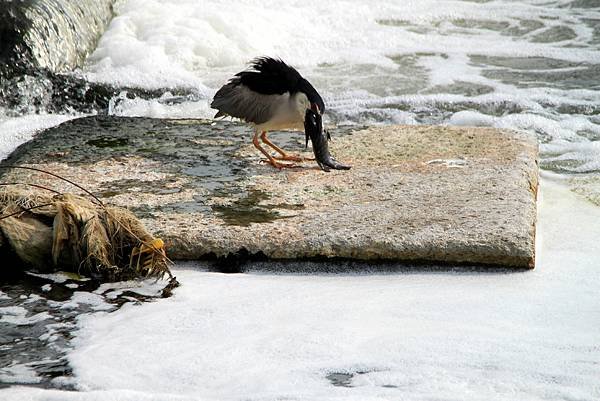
(270, 76)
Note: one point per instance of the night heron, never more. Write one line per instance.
(270, 95)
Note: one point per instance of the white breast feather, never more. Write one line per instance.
(290, 113)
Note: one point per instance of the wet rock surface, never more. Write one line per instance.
(415, 193)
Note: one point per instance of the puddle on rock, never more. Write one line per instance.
(108, 142)
(247, 209)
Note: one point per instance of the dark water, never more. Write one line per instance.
(38, 317)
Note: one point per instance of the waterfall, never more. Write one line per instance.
(55, 35)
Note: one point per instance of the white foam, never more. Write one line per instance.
(17, 393)
(31, 298)
(17, 315)
(95, 301)
(148, 288)
(471, 118)
(582, 156)
(159, 108)
(173, 42)
(17, 130)
(19, 373)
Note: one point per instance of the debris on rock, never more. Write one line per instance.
(70, 232)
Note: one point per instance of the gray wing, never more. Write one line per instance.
(237, 100)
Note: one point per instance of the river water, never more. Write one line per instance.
(524, 65)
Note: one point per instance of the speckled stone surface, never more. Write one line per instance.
(415, 193)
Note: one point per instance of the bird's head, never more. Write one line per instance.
(316, 102)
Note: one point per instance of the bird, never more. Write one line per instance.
(270, 95)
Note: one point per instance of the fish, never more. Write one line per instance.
(313, 130)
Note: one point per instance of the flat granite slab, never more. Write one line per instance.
(415, 193)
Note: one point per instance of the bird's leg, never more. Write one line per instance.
(284, 155)
(270, 158)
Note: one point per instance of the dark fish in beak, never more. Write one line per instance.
(313, 129)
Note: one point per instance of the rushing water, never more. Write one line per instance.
(524, 65)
